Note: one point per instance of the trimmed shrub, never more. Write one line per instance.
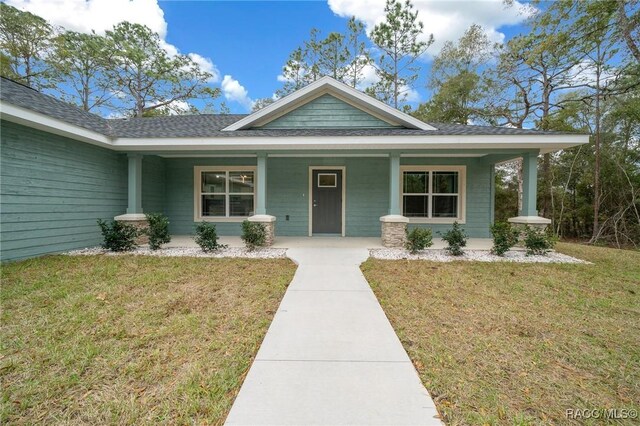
(457, 239)
(158, 230)
(254, 234)
(537, 241)
(207, 237)
(418, 239)
(118, 236)
(504, 237)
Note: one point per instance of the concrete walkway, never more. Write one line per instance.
(330, 355)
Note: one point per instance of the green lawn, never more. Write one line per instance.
(131, 340)
(519, 344)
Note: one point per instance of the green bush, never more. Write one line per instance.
(207, 237)
(158, 230)
(457, 238)
(254, 234)
(504, 237)
(537, 241)
(418, 239)
(118, 236)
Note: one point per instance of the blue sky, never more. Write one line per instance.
(246, 43)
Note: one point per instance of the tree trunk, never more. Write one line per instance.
(596, 170)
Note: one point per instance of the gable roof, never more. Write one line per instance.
(337, 89)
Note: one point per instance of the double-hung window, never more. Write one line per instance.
(433, 194)
(224, 193)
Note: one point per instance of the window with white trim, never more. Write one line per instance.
(225, 192)
(432, 193)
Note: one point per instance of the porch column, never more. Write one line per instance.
(394, 184)
(134, 215)
(394, 225)
(261, 202)
(529, 185)
(528, 214)
(134, 205)
(261, 216)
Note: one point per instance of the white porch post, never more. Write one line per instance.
(394, 225)
(528, 215)
(261, 215)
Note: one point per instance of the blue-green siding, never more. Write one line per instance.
(367, 193)
(478, 194)
(326, 112)
(52, 190)
(180, 197)
(153, 184)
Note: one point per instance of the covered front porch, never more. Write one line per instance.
(373, 191)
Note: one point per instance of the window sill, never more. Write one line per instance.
(436, 221)
(220, 219)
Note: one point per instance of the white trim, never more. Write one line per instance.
(344, 195)
(335, 180)
(545, 143)
(330, 85)
(328, 155)
(49, 124)
(197, 192)
(442, 155)
(207, 155)
(462, 192)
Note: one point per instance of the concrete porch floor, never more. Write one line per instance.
(327, 242)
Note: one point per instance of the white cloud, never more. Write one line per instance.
(446, 20)
(234, 91)
(97, 15)
(206, 65)
(369, 77)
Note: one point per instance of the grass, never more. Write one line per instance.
(519, 344)
(131, 340)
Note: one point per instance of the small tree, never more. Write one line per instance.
(538, 242)
(118, 236)
(158, 230)
(207, 237)
(457, 239)
(254, 234)
(418, 239)
(504, 237)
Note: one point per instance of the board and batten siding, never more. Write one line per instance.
(326, 112)
(52, 191)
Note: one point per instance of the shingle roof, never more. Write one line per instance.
(209, 125)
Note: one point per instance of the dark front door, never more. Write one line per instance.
(327, 201)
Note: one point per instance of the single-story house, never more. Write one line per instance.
(326, 159)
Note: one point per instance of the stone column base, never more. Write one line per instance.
(269, 223)
(394, 230)
(532, 221)
(139, 221)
